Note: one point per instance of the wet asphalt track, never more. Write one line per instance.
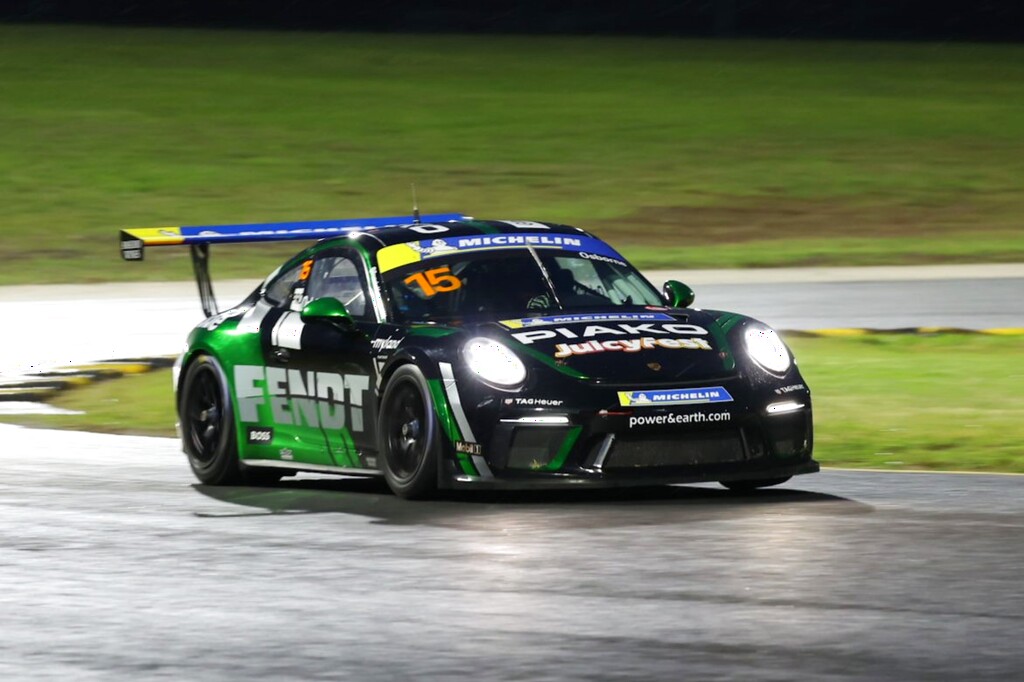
(114, 565)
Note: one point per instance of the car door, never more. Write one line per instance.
(327, 364)
(273, 401)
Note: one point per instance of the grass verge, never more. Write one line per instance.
(917, 402)
(948, 402)
(140, 404)
(682, 153)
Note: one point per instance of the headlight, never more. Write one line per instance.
(493, 362)
(767, 349)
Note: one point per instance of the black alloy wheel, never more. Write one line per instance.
(207, 424)
(409, 434)
(205, 413)
(208, 428)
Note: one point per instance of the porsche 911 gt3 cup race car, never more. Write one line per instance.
(452, 352)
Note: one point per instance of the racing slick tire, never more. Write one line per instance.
(208, 428)
(748, 486)
(409, 435)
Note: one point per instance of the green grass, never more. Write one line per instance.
(946, 402)
(981, 247)
(688, 153)
(141, 404)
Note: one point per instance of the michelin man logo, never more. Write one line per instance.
(437, 246)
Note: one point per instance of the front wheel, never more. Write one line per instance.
(410, 440)
(748, 486)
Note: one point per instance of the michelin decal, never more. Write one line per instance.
(585, 317)
(675, 396)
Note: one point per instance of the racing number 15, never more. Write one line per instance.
(436, 281)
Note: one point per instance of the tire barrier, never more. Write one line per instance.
(42, 386)
(851, 332)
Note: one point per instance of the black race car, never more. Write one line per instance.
(451, 352)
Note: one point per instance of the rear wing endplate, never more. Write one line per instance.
(199, 237)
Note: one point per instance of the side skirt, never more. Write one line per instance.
(317, 468)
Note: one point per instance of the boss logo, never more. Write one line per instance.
(258, 435)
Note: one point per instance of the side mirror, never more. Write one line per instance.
(677, 294)
(329, 310)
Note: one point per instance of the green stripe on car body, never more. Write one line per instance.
(467, 465)
(563, 451)
(350, 448)
(431, 331)
(443, 411)
(340, 451)
(728, 321)
(718, 331)
(448, 424)
(546, 359)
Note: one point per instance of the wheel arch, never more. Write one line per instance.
(407, 356)
(426, 478)
(221, 466)
(428, 362)
(189, 358)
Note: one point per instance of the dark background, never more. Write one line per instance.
(999, 20)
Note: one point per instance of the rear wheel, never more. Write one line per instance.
(747, 486)
(410, 441)
(207, 423)
(208, 428)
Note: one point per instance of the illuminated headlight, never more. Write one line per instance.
(493, 362)
(767, 349)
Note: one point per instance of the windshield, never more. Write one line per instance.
(513, 282)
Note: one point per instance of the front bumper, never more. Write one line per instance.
(639, 479)
(643, 446)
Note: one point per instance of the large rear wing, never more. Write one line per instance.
(199, 237)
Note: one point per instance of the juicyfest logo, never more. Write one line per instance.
(564, 350)
(676, 396)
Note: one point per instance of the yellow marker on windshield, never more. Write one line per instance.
(395, 256)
